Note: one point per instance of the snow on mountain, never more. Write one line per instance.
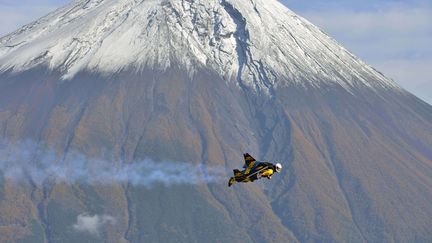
(257, 43)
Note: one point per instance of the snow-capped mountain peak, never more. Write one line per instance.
(257, 43)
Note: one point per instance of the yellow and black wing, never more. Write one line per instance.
(249, 162)
(248, 159)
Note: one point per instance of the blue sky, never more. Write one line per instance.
(394, 36)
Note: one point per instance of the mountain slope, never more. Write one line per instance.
(202, 82)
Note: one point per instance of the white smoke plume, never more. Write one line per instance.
(92, 224)
(27, 161)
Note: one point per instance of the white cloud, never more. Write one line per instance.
(92, 224)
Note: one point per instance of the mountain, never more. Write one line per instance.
(201, 82)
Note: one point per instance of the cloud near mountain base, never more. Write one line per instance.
(92, 224)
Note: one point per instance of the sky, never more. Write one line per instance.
(393, 36)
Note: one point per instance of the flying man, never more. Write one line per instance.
(254, 170)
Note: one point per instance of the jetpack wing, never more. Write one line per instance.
(249, 161)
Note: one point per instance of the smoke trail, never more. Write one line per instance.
(27, 161)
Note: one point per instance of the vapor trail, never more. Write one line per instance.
(27, 161)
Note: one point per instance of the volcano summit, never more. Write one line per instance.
(201, 81)
(259, 44)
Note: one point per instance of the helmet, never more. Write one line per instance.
(278, 167)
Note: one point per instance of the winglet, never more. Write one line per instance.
(248, 159)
